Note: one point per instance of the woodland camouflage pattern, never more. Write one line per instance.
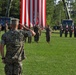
(14, 41)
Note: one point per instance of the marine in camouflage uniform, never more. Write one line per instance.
(70, 31)
(48, 31)
(36, 30)
(14, 41)
(61, 31)
(66, 31)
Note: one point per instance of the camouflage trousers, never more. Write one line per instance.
(13, 69)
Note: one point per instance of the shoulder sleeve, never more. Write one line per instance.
(24, 32)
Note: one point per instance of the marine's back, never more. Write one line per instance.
(14, 40)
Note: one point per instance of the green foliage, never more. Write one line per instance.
(3, 5)
(50, 9)
(59, 13)
(74, 12)
(14, 12)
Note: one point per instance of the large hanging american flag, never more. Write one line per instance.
(33, 12)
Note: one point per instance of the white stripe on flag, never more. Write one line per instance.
(27, 13)
(23, 12)
(31, 13)
(44, 13)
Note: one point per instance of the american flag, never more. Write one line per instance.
(33, 12)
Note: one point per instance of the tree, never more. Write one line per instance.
(59, 13)
(74, 12)
(3, 6)
(15, 9)
(50, 9)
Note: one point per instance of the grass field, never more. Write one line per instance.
(56, 58)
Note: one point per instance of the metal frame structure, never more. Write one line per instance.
(66, 9)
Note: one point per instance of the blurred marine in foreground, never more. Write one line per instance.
(14, 41)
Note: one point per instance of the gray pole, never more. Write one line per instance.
(66, 9)
(8, 8)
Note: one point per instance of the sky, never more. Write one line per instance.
(58, 0)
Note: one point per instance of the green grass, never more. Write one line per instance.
(56, 58)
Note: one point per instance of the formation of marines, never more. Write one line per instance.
(68, 30)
